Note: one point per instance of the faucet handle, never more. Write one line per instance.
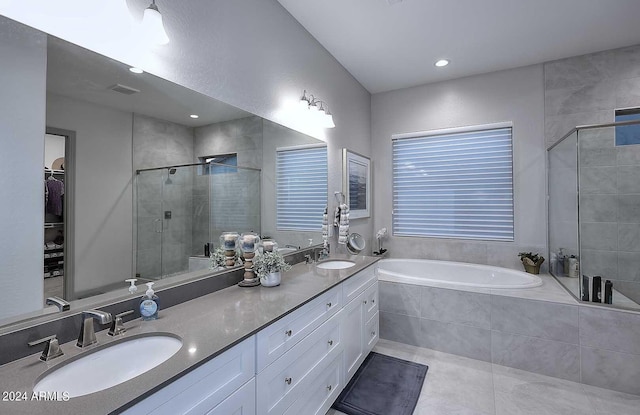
(117, 325)
(51, 347)
(62, 304)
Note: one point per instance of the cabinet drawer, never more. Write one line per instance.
(282, 382)
(205, 387)
(241, 402)
(371, 301)
(274, 340)
(371, 333)
(318, 397)
(353, 286)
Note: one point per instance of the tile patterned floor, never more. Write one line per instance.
(460, 386)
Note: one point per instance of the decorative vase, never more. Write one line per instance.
(272, 279)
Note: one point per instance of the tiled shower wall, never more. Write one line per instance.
(224, 191)
(580, 343)
(159, 143)
(587, 90)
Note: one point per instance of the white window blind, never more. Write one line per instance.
(301, 187)
(454, 185)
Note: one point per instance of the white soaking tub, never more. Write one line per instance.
(454, 274)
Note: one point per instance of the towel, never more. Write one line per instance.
(325, 225)
(343, 227)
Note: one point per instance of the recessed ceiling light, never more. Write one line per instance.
(192, 350)
(194, 116)
(441, 63)
(136, 70)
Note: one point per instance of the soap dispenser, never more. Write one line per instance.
(132, 288)
(149, 304)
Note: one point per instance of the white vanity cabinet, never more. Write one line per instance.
(224, 385)
(298, 365)
(360, 323)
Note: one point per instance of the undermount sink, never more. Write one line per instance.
(336, 264)
(109, 366)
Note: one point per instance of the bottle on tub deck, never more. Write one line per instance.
(608, 292)
(560, 262)
(149, 304)
(574, 267)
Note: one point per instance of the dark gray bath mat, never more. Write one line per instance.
(383, 385)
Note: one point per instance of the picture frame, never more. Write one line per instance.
(356, 183)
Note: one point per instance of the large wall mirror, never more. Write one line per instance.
(140, 174)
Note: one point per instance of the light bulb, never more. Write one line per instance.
(153, 27)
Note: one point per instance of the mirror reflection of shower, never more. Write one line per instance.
(180, 209)
(171, 172)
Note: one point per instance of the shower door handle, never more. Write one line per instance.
(159, 225)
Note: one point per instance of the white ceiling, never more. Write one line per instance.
(78, 73)
(392, 44)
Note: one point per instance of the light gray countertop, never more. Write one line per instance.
(211, 324)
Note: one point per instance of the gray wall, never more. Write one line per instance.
(23, 54)
(103, 190)
(159, 143)
(586, 90)
(515, 95)
(222, 192)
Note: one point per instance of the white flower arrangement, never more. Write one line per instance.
(218, 259)
(269, 262)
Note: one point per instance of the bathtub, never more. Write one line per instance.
(453, 274)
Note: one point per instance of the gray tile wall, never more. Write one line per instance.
(587, 90)
(224, 192)
(159, 143)
(585, 344)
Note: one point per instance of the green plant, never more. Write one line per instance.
(268, 263)
(535, 259)
(217, 258)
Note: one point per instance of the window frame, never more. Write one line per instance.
(326, 188)
(447, 131)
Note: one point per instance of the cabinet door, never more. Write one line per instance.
(371, 301)
(317, 398)
(352, 335)
(241, 402)
(371, 334)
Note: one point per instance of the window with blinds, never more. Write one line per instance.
(454, 184)
(301, 187)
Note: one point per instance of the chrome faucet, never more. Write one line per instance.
(59, 302)
(117, 326)
(51, 347)
(87, 334)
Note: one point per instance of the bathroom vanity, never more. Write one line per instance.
(284, 350)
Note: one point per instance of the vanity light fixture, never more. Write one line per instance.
(136, 70)
(441, 63)
(319, 110)
(152, 25)
(194, 116)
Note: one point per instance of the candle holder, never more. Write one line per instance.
(249, 244)
(269, 245)
(228, 242)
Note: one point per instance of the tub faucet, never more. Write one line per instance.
(59, 302)
(87, 334)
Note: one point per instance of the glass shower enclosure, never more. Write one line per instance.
(179, 209)
(593, 193)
